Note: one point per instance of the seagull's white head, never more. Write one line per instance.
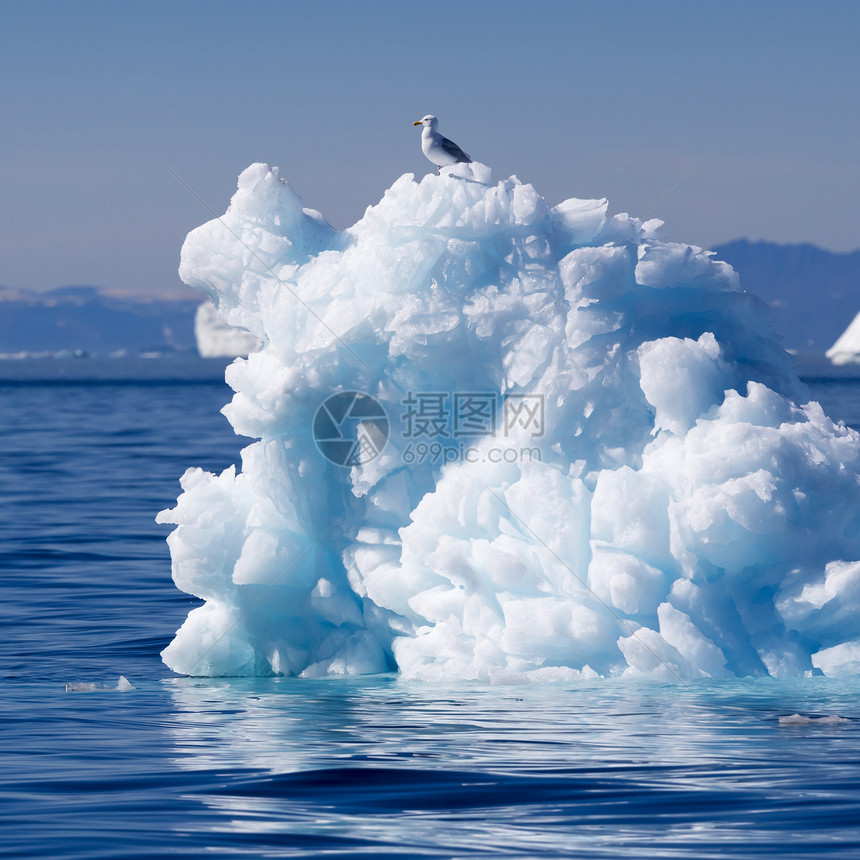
(429, 121)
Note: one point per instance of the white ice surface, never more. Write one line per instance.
(680, 511)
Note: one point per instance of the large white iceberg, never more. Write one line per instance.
(216, 339)
(501, 440)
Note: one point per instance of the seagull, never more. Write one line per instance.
(439, 149)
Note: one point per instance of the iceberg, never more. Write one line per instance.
(505, 441)
(216, 339)
(846, 349)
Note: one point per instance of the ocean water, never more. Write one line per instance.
(373, 767)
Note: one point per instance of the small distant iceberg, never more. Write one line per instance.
(846, 350)
(216, 339)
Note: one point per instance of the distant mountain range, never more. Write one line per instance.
(814, 294)
(90, 320)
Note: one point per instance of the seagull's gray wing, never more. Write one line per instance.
(453, 150)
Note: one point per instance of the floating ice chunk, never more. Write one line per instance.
(804, 720)
(123, 685)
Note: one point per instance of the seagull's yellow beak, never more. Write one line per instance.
(417, 122)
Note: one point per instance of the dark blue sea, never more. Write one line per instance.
(366, 767)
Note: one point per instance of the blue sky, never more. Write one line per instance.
(582, 99)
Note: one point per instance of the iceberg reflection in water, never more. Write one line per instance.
(620, 768)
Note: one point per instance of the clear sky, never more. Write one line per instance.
(582, 99)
